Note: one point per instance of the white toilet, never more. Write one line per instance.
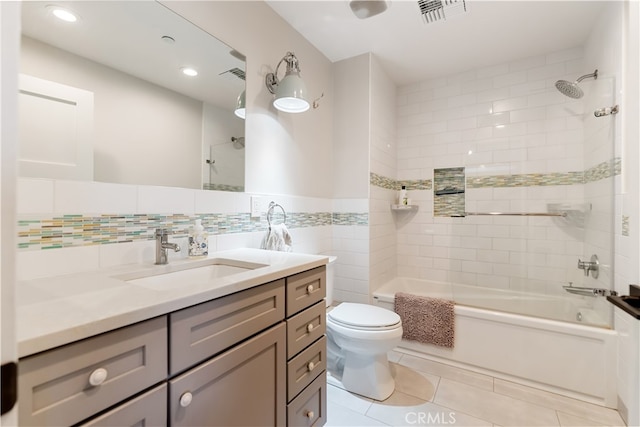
(359, 337)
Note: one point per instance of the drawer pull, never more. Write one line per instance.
(309, 289)
(309, 414)
(98, 376)
(309, 328)
(310, 366)
(185, 399)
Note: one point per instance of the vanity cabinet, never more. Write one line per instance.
(68, 384)
(306, 348)
(244, 386)
(255, 357)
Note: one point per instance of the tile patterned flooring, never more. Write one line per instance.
(434, 394)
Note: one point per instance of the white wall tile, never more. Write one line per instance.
(164, 200)
(79, 197)
(34, 196)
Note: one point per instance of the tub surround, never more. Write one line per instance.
(58, 310)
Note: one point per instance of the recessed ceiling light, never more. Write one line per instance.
(188, 71)
(63, 14)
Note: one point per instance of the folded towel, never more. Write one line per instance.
(427, 320)
(277, 238)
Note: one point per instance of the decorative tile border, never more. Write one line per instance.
(79, 230)
(350, 218)
(393, 184)
(598, 172)
(525, 180)
(223, 187)
(601, 171)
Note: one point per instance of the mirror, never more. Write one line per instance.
(105, 98)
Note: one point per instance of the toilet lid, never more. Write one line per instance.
(363, 316)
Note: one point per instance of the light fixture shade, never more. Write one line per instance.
(291, 94)
(240, 105)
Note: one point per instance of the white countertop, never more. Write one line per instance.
(58, 310)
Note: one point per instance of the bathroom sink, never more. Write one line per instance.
(195, 272)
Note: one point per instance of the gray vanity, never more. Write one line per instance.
(249, 349)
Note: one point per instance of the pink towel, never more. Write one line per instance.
(426, 320)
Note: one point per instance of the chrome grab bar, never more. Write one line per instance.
(560, 214)
(589, 292)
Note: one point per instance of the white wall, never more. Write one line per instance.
(286, 153)
(351, 132)
(125, 151)
(9, 53)
(382, 221)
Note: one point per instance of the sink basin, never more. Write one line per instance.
(196, 272)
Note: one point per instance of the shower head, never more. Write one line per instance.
(238, 142)
(571, 89)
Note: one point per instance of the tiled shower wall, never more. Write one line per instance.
(521, 144)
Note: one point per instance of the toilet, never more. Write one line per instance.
(358, 339)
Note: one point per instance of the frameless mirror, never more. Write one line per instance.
(112, 97)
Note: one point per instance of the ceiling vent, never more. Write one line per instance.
(236, 72)
(437, 10)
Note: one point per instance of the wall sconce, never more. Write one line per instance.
(290, 92)
(240, 105)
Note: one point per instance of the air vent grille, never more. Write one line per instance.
(436, 10)
(236, 72)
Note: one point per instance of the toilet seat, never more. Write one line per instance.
(364, 317)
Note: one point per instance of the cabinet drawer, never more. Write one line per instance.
(310, 407)
(305, 289)
(244, 386)
(204, 330)
(305, 367)
(54, 386)
(144, 410)
(304, 328)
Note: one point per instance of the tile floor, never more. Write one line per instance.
(434, 394)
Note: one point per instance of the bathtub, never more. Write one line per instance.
(565, 356)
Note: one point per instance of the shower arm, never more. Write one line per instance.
(587, 76)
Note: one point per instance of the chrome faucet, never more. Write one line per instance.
(162, 244)
(593, 265)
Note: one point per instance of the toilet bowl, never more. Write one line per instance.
(359, 337)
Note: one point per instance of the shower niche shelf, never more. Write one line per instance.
(404, 208)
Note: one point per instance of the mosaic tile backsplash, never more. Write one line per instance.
(80, 230)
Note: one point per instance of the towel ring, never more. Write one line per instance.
(272, 206)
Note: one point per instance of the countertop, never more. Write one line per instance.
(58, 310)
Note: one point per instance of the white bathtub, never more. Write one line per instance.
(572, 359)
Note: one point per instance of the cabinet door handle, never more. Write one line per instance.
(309, 327)
(185, 399)
(309, 289)
(98, 376)
(310, 366)
(309, 414)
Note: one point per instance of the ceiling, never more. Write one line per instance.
(119, 34)
(410, 50)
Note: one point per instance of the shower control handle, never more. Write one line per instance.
(592, 266)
